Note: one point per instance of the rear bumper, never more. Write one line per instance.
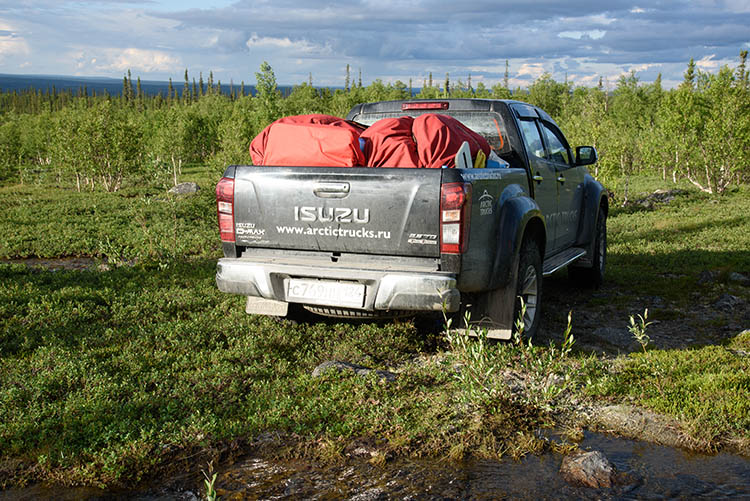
(384, 290)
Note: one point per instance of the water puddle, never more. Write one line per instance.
(650, 472)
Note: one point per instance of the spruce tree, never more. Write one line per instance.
(507, 74)
(447, 85)
(200, 84)
(186, 88)
(346, 81)
(359, 81)
(194, 94)
(742, 73)
(130, 86)
(689, 75)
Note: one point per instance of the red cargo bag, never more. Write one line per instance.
(308, 140)
(439, 137)
(389, 143)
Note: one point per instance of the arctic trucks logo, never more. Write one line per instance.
(332, 215)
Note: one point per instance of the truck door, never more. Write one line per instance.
(569, 181)
(543, 175)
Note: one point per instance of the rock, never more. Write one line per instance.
(373, 494)
(707, 277)
(336, 365)
(727, 302)
(185, 189)
(657, 197)
(739, 278)
(590, 469)
(642, 424)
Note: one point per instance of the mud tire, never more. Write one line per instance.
(529, 287)
(594, 276)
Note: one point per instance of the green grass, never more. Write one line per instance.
(707, 389)
(135, 223)
(693, 233)
(108, 377)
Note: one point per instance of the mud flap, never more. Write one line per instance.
(494, 310)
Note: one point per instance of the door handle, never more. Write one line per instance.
(538, 178)
(331, 190)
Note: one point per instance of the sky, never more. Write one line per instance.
(390, 40)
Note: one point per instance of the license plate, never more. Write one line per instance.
(326, 293)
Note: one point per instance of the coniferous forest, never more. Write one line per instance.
(699, 131)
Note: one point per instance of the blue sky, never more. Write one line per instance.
(387, 39)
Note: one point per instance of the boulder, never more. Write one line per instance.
(738, 278)
(185, 189)
(727, 302)
(590, 469)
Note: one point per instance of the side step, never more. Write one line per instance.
(564, 258)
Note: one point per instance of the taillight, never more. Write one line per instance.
(455, 209)
(441, 105)
(225, 208)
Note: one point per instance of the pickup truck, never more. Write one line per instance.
(366, 242)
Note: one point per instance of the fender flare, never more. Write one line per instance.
(519, 214)
(595, 199)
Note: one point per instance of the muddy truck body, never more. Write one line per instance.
(367, 242)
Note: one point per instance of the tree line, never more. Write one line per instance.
(699, 131)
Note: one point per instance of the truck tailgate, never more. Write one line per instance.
(353, 210)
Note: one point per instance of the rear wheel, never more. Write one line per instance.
(529, 288)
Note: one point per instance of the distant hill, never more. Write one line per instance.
(113, 86)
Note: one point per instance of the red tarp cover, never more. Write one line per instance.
(430, 141)
(308, 140)
(389, 143)
(439, 137)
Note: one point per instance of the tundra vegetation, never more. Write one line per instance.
(138, 366)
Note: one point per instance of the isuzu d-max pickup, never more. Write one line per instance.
(377, 242)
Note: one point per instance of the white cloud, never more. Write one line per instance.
(11, 43)
(577, 35)
(534, 70)
(131, 58)
(643, 67)
(597, 19)
(707, 63)
(287, 45)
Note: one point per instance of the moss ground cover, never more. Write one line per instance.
(109, 376)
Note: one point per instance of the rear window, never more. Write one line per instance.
(488, 124)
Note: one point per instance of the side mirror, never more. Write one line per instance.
(586, 155)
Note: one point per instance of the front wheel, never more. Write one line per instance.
(594, 276)
(528, 289)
